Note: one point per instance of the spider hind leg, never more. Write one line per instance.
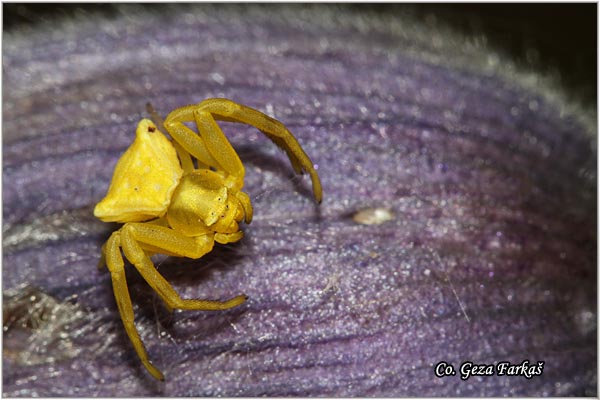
(114, 261)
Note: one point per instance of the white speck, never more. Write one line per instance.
(269, 109)
(585, 321)
(533, 140)
(533, 105)
(220, 79)
(189, 18)
(373, 216)
(382, 132)
(427, 272)
(494, 244)
(493, 60)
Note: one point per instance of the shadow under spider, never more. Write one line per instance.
(184, 273)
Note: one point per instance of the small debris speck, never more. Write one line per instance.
(220, 79)
(373, 216)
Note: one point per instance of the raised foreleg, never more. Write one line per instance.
(218, 146)
(227, 110)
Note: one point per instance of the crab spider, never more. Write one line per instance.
(169, 206)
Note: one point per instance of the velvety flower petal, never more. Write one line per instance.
(458, 220)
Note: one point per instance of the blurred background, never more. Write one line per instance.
(559, 39)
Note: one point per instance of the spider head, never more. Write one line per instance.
(202, 201)
(228, 213)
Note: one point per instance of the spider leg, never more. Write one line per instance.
(225, 238)
(115, 264)
(244, 200)
(184, 156)
(220, 148)
(227, 110)
(210, 146)
(190, 141)
(137, 237)
(186, 160)
(102, 261)
(209, 111)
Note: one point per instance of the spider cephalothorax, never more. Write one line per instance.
(171, 207)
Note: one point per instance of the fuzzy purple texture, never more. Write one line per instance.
(490, 254)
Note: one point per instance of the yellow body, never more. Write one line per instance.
(171, 207)
(144, 179)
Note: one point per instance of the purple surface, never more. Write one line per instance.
(490, 255)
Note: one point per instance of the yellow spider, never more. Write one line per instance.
(170, 207)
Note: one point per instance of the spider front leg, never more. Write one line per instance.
(210, 146)
(214, 142)
(137, 238)
(227, 110)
